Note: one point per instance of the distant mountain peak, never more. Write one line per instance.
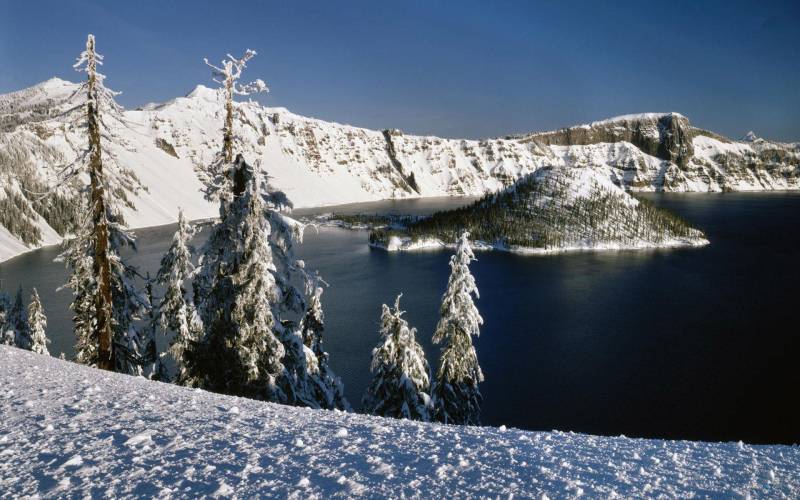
(750, 137)
(203, 92)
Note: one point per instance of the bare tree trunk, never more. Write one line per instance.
(227, 139)
(102, 266)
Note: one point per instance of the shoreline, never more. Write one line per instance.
(435, 244)
(332, 223)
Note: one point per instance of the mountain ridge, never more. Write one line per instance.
(320, 163)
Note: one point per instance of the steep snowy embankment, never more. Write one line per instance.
(69, 430)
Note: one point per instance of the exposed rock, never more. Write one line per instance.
(666, 136)
(166, 147)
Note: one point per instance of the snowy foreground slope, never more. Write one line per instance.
(323, 163)
(69, 430)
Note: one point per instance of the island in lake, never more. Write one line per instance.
(552, 210)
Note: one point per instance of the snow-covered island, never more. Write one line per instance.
(69, 430)
(553, 210)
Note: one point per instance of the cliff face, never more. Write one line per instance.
(664, 152)
(322, 163)
(666, 136)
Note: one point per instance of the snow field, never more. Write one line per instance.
(69, 430)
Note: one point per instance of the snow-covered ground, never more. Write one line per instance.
(69, 430)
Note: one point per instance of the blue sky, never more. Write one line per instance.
(455, 69)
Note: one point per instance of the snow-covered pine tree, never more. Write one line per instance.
(298, 381)
(174, 312)
(330, 390)
(294, 384)
(234, 287)
(457, 399)
(152, 362)
(18, 321)
(6, 333)
(101, 265)
(14, 326)
(312, 381)
(401, 377)
(127, 303)
(234, 291)
(130, 306)
(106, 302)
(38, 325)
(77, 255)
(216, 176)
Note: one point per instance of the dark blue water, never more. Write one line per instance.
(693, 343)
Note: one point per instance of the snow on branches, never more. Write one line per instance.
(457, 399)
(400, 373)
(106, 301)
(89, 60)
(234, 292)
(227, 75)
(37, 325)
(21, 328)
(174, 312)
(231, 70)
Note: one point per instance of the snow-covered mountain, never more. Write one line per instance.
(67, 430)
(322, 163)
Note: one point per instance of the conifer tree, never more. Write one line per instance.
(301, 370)
(330, 390)
(234, 287)
(7, 336)
(297, 378)
(457, 399)
(238, 352)
(401, 377)
(297, 381)
(216, 177)
(14, 322)
(101, 265)
(106, 302)
(18, 320)
(174, 312)
(152, 363)
(77, 255)
(38, 325)
(314, 382)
